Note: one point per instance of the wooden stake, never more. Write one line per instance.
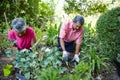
(6, 21)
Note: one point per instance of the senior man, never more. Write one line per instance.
(71, 32)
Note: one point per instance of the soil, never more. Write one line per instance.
(111, 75)
(105, 75)
(3, 61)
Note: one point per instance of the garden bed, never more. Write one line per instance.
(112, 75)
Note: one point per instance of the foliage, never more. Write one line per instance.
(85, 7)
(108, 30)
(27, 62)
(34, 12)
(52, 34)
(5, 44)
(38, 33)
(118, 57)
(49, 74)
(96, 61)
(46, 64)
(7, 70)
(31, 63)
(92, 51)
(80, 72)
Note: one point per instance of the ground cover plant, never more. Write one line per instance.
(99, 53)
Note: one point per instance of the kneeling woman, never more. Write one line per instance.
(23, 34)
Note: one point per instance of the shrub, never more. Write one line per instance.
(108, 29)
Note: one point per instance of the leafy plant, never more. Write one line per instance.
(49, 73)
(34, 12)
(80, 72)
(107, 29)
(52, 34)
(39, 34)
(27, 62)
(7, 70)
(30, 63)
(4, 42)
(5, 46)
(97, 61)
(118, 58)
(51, 58)
(85, 7)
(93, 52)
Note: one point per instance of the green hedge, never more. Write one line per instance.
(108, 29)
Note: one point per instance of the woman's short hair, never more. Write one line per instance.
(18, 24)
(79, 19)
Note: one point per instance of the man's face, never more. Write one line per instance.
(76, 26)
(20, 34)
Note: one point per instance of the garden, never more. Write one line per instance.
(99, 51)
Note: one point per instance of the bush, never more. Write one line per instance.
(108, 29)
(35, 12)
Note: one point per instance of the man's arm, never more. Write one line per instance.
(78, 42)
(62, 44)
(77, 49)
(62, 35)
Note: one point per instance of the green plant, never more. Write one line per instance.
(49, 73)
(7, 70)
(118, 57)
(52, 34)
(80, 72)
(93, 52)
(85, 7)
(51, 58)
(34, 12)
(38, 33)
(30, 63)
(97, 61)
(27, 62)
(107, 28)
(4, 42)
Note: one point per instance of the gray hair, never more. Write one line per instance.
(18, 24)
(79, 19)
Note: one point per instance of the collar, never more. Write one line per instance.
(71, 24)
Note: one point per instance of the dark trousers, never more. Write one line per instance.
(68, 46)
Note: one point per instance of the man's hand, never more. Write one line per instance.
(65, 55)
(76, 58)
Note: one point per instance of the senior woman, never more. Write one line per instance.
(23, 34)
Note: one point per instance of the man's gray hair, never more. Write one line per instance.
(18, 24)
(79, 19)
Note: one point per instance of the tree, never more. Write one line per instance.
(35, 12)
(85, 7)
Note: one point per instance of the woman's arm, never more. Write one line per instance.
(33, 41)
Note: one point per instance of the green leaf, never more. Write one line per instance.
(43, 48)
(63, 69)
(59, 62)
(14, 41)
(27, 75)
(22, 60)
(51, 58)
(33, 55)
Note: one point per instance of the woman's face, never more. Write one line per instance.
(20, 34)
(76, 26)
